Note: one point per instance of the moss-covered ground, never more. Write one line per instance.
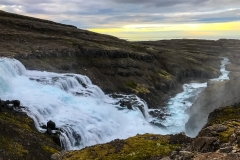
(140, 147)
(228, 116)
(20, 140)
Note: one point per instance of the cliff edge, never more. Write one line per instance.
(152, 70)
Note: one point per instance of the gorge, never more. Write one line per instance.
(98, 88)
(84, 114)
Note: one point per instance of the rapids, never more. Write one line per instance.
(85, 115)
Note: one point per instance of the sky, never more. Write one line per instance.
(138, 20)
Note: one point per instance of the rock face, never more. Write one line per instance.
(152, 70)
(217, 94)
(219, 139)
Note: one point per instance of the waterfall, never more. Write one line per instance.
(84, 114)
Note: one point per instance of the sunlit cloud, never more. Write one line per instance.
(138, 19)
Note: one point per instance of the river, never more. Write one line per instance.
(85, 115)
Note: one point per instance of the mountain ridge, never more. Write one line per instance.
(152, 70)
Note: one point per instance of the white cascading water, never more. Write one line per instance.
(85, 115)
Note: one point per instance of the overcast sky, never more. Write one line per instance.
(139, 19)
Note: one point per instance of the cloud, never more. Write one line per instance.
(161, 3)
(173, 3)
(121, 13)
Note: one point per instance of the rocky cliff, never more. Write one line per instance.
(217, 94)
(152, 70)
(19, 138)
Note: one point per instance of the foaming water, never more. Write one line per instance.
(178, 105)
(85, 115)
(225, 73)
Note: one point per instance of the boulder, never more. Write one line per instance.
(51, 125)
(49, 131)
(15, 103)
(232, 138)
(180, 138)
(212, 131)
(59, 155)
(186, 155)
(205, 144)
(237, 131)
(238, 140)
(226, 149)
(206, 156)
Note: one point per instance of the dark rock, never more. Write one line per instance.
(238, 140)
(5, 103)
(51, 125)
(237, 131)
(180, 138)
(226, 149)
(16, 103)
(49, 131)
(223, 145)
(160, 125)
(160, 114)
(124, 103)
(220, 128)
(186, 155)
(56, 139)
(212, 131)
(205, 144)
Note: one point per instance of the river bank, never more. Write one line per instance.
(215, 95)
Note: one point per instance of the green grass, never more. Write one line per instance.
(140, 147)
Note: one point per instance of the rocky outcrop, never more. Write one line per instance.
(19, 138)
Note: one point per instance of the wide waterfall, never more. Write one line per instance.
(80, 109)
(84, 114)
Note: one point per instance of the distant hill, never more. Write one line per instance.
(152, 70)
